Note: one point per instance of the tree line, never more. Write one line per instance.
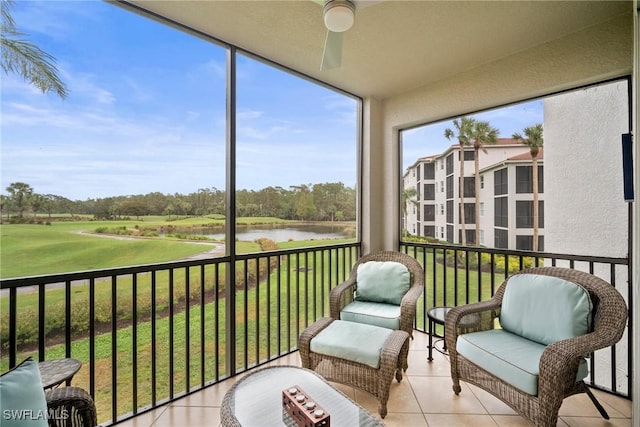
(309, 202)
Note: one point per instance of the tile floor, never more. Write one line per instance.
(423, 398)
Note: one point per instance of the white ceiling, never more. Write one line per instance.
(395, 46)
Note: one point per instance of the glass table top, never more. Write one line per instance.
(256, 399)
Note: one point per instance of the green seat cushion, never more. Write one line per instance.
(22, 400)
(372, 313)
(382, 281)
(356, 342)
(512, 358)
(545, 309)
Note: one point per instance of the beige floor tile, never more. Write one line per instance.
(596, 422)
(368, 401)
(210, 396)
(459, 420)
(144, 420)
(492, 404)
(513, 421)
(419, 365)
(580, 405)
(402, 398)
(419, 341)
(405, 420)
(620, 404)
(434, 395)
(345, 389)
(188, 416)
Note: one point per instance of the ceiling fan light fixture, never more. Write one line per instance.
(339, 15)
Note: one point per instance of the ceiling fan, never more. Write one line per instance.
(338, 16)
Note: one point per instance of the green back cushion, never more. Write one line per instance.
(545, 309)
(382, 281)
(22, 401)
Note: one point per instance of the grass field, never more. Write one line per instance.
(65, 246)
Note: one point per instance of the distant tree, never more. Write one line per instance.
(37, 202)
(305, 204)
(29, 61)
(19, 193)
(462, 133)
(534, 140)
(169, 210)
(481, 134)
(5, 202)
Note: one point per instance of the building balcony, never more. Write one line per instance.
(160, 363)
(423, 398)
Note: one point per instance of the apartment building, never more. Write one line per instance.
(432, 209)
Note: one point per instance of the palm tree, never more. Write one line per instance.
(463, 128)
(407, 197)
(481, 134)
(534, 140)
(20, 193)
(32, 63)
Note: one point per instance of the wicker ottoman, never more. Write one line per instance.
(348, 361)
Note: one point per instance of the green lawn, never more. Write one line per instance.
(29, 249)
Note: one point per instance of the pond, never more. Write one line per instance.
(281, 233)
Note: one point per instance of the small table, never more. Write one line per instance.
(436, 315)
(256, 399)
(55, 372)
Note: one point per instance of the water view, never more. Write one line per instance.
(281, 233)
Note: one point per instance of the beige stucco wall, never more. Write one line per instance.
(595, 54)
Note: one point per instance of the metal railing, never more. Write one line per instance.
(147, 335)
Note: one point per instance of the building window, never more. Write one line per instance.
(450, 233)
(524, 214)
(449, 161)
(429, 191)
(442, 232)
(481, 181)
(501, 239)
(482, 237)
(481, 208)
(524, 179)
(441, 208)
(450, 211)
(469, 213)
(430, 231)
(524, 243)
(469, 186)
(470, 236)
(441, 165)
(469, 155)
(500, 182)
(442, 186)
(501, 212)
(429, 212)
(429, 171)
(449, 187)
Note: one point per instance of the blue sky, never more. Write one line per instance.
(428, 140)
(146, 112)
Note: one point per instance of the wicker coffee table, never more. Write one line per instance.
(55, 372)
(256, 399)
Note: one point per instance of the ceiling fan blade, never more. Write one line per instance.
(332, 56)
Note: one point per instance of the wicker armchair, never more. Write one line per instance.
(70, 407)
(560, 360)
(344, 294)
